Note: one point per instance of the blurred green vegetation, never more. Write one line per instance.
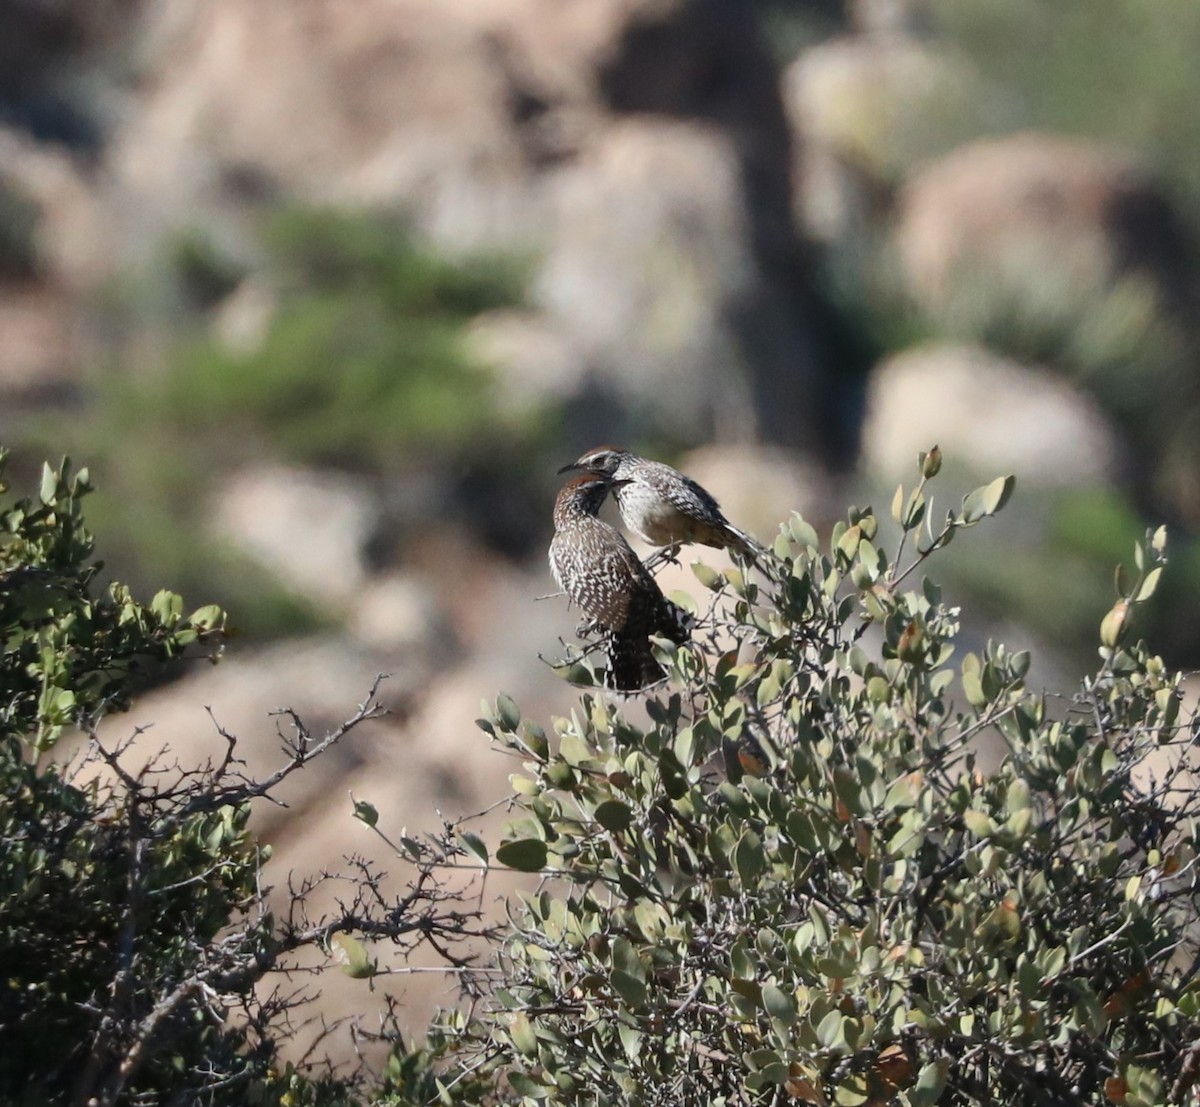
(362, 362)
(356, 361)
(1124, 70)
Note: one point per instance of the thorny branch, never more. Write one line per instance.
(148, 809)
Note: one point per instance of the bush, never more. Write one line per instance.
(833, 862)
(139, 960)
(839, 861)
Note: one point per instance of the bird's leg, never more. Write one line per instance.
(664, 555)
(587, 628)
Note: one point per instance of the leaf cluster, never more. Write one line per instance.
(69, 654)
(846, 862)
(140, 961)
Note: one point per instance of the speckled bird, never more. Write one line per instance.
(662, 506)
(600, 573)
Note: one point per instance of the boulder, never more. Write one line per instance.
(988, 414)
(758, 487)
(1007, 220)
(638, 150)
(310, 528)
(865, 109)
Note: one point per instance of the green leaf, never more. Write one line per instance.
(987, 500)
(49, 487)
(914, 511)
(353, 956)
(1018, 796)
(1148, 585)
(366, 812)
(803, 532)
(1113, 625)
(685, 746)
(628, 977)
(778, 1004)
(507, 714)
(524, 1084)
(474, 844)
(614, 815)
(167, 606)
(904, 791)
(631, 1040)
(931, 1082)
(749, 860)
(207, 617)
(979, 823)
(520, 1029)
(972, 682)
(574, 750)
(707, 576)
(533, 738)
(829, 1030)
(526, 855)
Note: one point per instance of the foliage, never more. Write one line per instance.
(355, 358)
(1123, 71)
(838, 862)
(139, 960)
(362, 359)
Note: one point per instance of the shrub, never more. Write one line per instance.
(139, 960)
(840, 861)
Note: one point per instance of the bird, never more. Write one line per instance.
(662, 506)
(598, 570)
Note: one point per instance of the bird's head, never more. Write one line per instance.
(602, 459)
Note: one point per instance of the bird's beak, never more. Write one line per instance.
(570, 468)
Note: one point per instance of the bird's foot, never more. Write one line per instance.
(665, 555)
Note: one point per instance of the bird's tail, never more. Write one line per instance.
(633, 665)
(740, 542)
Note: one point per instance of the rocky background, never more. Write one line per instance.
(324, 292)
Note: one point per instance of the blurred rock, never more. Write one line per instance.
(866, 109)
(389, 101)
(659, 269)
(401, 618)
(640, 147)
(537, 362)
(309, 528)
(40, 343)
(243, 318)
(988, 414)
(50, 247)
(758, 487)
(1011, 217)
(887, 17)
(38, 36)
(69, 241)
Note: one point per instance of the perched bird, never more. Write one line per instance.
(598, 570)
(661, 505)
